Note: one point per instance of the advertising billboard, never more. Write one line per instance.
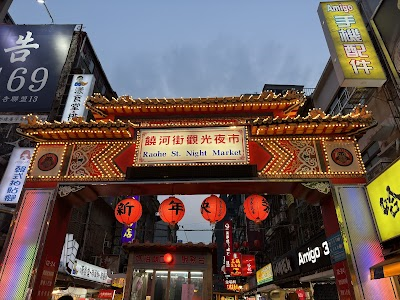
(228, 241)
(384, 197)
(353, 55)
(31, 60)
(264, 274)
(386, 25)
(90, 272)
(285, 266)
(81, 87)
(314, 255)
(14, 177)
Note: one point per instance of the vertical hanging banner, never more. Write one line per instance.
(14, 177)
(128, 233)
(353, 54)
(228, 245)
(236, 264)
(31, 60)
(81, 87)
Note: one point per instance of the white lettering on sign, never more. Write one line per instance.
(313, 254)
(20, 51)
(341, 7)
(21, 76)
(192, 145)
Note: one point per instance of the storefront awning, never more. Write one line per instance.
(321, 276)
(267, 288)
(386, 268)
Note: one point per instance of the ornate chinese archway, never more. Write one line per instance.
(245, 144)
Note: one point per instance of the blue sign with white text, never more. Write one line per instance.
(336, 247)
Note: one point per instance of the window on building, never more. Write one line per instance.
(370, 155)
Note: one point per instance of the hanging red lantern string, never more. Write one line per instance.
(128, 211)
(236, 245)
(256, 208)
(171, 210)
(213, 209)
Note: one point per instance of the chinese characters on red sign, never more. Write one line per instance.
(179, 258)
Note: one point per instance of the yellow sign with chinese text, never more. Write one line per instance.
(264, 274)
(384, 197)
(353, 54)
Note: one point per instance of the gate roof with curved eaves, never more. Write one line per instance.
(279, 142)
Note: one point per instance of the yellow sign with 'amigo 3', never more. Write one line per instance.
(353, 54)
(384, 196)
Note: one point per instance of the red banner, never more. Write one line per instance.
(343, 281)
(228, 245)
(106, 294)
(248, 264)
(236, 264)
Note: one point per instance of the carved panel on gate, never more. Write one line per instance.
(281, 157)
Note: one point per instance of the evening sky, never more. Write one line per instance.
(176, 48)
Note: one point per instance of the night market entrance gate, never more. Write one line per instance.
(229, 145)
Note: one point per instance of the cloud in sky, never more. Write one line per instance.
(222, 67)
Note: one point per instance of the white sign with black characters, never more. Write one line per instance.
(87, 271)
(14, 177)
(82, 86)
(31, 60)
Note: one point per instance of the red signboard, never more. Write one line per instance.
(106, 294)
(228, 245)
(248, 264)
(236, 264)
(343, 281)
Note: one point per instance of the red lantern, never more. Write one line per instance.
(128, 211)
(256, 208)
(168, 258)
(213, 209)
(236, 245)
(245, 244)
(171, 210)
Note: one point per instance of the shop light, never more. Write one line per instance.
(196, 273)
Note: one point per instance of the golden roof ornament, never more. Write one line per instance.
(32, 119)
(316, 112)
